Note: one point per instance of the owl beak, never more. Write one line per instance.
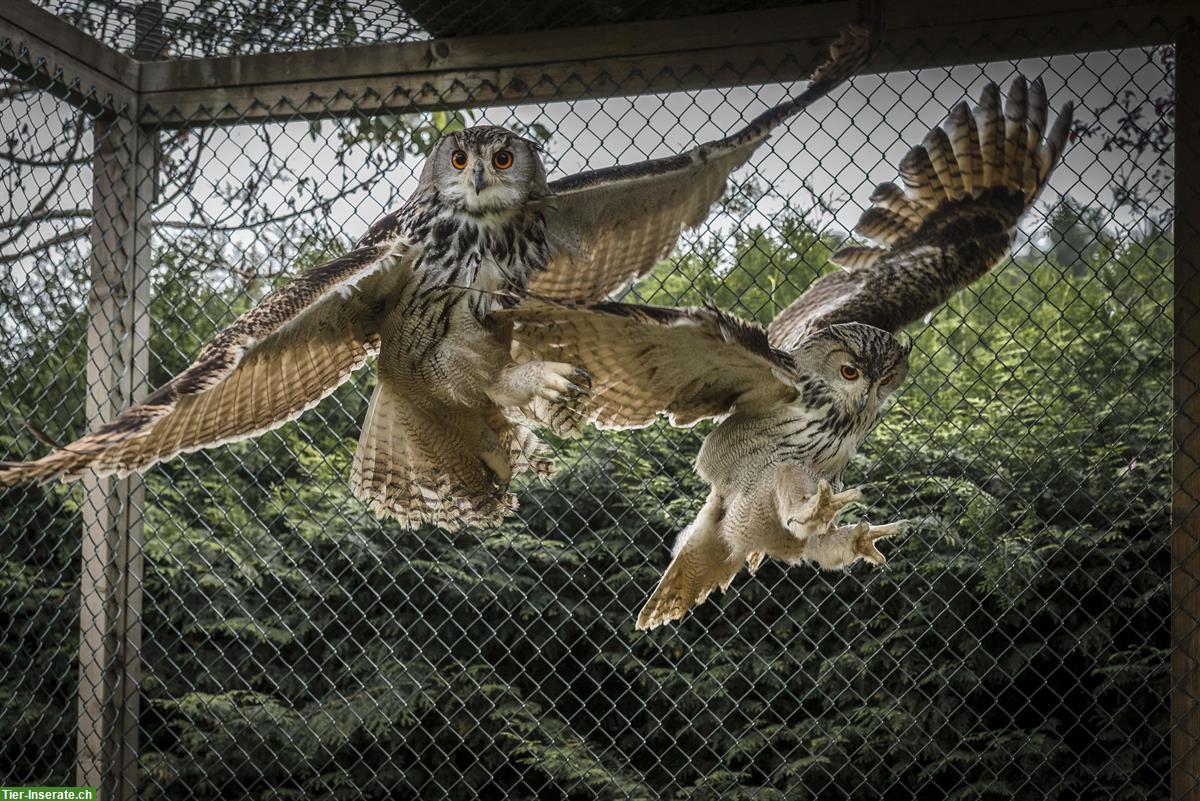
(862, 402)
(480, 181)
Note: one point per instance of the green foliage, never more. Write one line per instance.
(1014, 647)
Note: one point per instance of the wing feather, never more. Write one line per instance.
(247, 380)
(967, 189)
(609, 227)
(965, 143)
(647, 361)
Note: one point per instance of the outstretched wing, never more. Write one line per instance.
(646, 360)
(967, 188)
(270, 365)
(609, 227)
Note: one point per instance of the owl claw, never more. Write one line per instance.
(820, 512)
(863, 537)
(520, 385)
(754, 560)
(841, 547)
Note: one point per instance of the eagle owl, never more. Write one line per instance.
(797, 399)
(450, 419)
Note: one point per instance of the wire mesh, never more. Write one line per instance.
(196, 28)
(1016, 644)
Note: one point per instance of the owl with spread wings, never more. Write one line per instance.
(797, 399)
(450, 419)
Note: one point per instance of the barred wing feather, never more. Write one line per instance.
(966, 188)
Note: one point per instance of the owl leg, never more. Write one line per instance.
(519, 385)
(845, 545)
(813, 514)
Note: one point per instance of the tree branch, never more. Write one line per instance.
(46, 163)
(43, 216)
(55, 186)
(60, 239)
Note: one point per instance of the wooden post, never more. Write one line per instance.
(111, 580)
(123, 187)
(1185, 506)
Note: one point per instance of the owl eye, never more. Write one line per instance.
(850, 372)
(459, 159)
(502, 160)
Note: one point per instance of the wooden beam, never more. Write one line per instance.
(1185, 499)
(118, 364)
(633, 58)
(45, 51)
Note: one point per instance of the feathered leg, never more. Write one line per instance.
(702, 563)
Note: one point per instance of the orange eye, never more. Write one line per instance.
(459, 159)
(502, 160)
(849, 372)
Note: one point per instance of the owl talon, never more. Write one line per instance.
(820, 512)
(519, 385)
(843, 546)
(863, 537)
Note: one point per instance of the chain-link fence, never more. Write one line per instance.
(251, 630)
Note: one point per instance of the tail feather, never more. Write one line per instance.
(446, 466)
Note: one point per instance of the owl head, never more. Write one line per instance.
(485, 169)
(859, 364)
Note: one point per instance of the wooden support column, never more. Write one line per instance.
(118, 362)
(110, 617)
(1185, 507)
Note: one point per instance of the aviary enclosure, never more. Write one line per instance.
(236, 625)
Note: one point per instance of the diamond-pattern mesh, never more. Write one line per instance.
(292, 645)
(195, 28)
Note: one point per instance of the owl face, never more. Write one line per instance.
(859, 364)
(485, 170)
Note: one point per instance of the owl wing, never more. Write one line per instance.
(967, 187)
(609, 227)
(687, 363)
(269, 366)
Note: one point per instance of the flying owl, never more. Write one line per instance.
(797, 399)
(449, 421)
